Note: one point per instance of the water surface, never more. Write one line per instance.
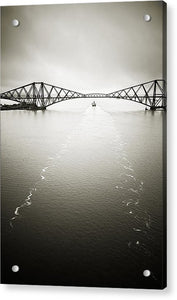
(82, 195)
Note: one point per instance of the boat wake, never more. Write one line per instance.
(28, 201)
(101, 132)
(132, 190)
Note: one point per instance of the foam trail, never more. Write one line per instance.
(133, 205)
(128, 168)
(148, 222)
(129, 175)
(133, 190)
(137, 229)
(28, 201)
(128, 203)
(16, 211)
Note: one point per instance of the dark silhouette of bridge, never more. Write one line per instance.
(152, 94)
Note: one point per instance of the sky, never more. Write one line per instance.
(100, 47)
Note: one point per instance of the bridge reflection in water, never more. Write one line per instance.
(152, 94)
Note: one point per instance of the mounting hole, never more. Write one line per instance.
(15, 268)
(15, 23)
(147, 18)
(146, 273)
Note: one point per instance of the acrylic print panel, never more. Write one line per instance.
(83, 180)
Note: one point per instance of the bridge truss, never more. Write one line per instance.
(39, 94)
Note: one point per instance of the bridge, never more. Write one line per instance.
(40, 95)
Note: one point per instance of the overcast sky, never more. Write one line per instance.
(83, 47)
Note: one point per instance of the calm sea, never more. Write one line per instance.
(82, 196)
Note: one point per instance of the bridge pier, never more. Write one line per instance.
(40, 108)
(154, 108)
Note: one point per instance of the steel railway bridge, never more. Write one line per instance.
(40, 95)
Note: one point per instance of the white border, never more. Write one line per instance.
(16, 292)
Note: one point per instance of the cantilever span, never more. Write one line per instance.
(42, 95)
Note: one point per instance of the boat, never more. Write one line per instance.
(93, 103)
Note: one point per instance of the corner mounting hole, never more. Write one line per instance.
(15, 23)
(147, 18)
(146, 273)
(15, 268)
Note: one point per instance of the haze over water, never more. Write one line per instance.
(82, 194)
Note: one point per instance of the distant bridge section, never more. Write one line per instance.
(152, 94)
